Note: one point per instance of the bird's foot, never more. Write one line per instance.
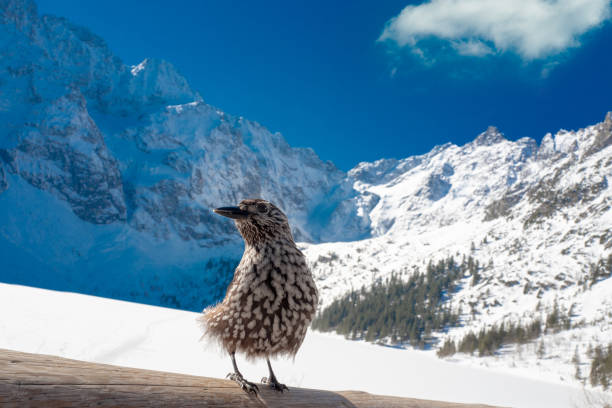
(247, 386)
(274, 384)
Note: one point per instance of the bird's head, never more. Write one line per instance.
(258, 220)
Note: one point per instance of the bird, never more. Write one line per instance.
(272, 297)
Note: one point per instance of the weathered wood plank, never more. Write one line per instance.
(40, 380)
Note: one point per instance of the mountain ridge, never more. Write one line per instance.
(135, 151)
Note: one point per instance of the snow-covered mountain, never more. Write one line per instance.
(538, 219)
(108, 173)
(528, 209)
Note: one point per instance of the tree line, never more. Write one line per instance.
(400, 310)
(489, 340)
(600, 270)
(601, 367)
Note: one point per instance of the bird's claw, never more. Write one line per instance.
(275, 385)
(247, 386)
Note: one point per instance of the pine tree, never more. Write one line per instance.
(576, 362)
(552, 320)
(601, 367)
(447, 349)
(541, 350)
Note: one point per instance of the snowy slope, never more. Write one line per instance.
(134, 335)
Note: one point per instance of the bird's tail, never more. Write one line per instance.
(212, 325)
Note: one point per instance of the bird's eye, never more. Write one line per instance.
(262, 208)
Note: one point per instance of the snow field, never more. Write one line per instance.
(134, 335)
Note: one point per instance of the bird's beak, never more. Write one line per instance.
(232, 212)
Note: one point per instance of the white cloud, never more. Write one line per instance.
(472, 47)
(533, 29)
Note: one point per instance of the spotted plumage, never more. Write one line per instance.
(272, 299)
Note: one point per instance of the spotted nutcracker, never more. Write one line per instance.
(272, 298)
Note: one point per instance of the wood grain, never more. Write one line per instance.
(35, 380)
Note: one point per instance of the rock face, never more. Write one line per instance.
(3, 180)
(63, 152)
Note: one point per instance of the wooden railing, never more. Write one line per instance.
(37, 380)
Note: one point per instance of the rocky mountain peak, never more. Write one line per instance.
(547, 147)
(155, 81)
(489, 137)
(602, 135)
(147, 146)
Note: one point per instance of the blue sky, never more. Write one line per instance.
(358, 81)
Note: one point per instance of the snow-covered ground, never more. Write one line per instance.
(135, 335)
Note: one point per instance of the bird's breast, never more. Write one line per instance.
(275, 277)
